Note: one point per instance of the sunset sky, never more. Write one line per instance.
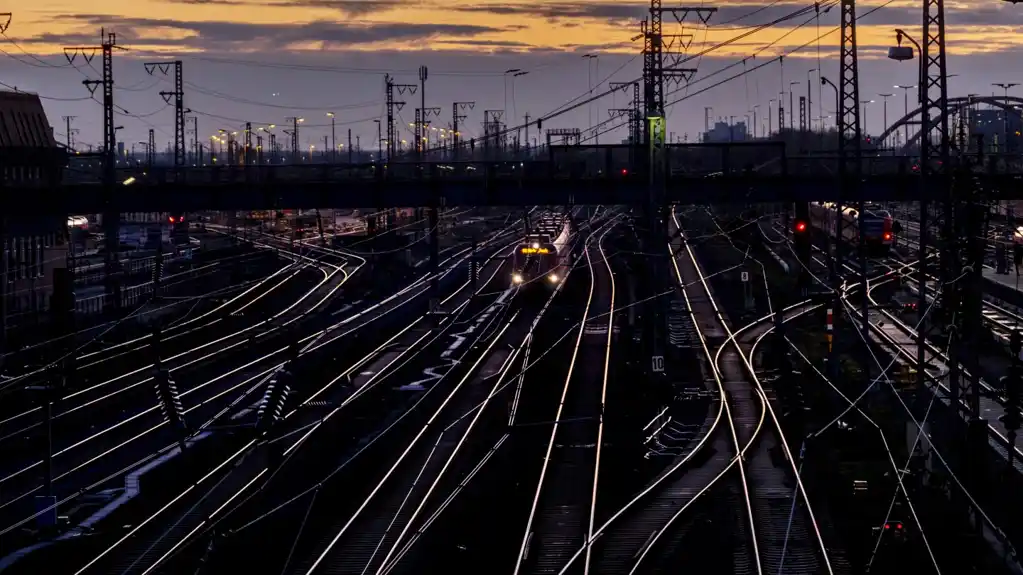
(264, 61)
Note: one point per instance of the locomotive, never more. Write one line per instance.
(543, 258)
(877, 225)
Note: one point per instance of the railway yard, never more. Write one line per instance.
(340, 403)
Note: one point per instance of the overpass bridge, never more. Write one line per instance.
(751, 172)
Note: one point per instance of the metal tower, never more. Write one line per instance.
(456, 117)
(392, 107)
(654, 74)
(111, 218)
(179, 105)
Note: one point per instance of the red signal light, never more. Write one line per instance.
(625, 172)
(887, 526)
(898, 526)
(800, 226)
(887, 236)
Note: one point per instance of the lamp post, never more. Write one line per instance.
(921, 83)
(838, 101)
(865, 104)
(905, 95)
(885, 105)
(333, 139)
(809, 102)
(515, 113)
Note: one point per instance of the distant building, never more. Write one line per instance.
(724, 132)
(33, 246)
(120, 151)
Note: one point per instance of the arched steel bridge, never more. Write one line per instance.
(953, 106)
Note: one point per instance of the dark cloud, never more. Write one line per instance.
(556, 10)
(486, 43)
(750, 15)
(350, 7)
(219, 35)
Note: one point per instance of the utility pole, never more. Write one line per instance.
(151, 150)
(393, 106)
(654, 74)
(70, 132)
(179, 105)
(295, 121)
(421, 121)
(457, 109)
(349, 146)
(491, 129)
(111, 216)
(848, 148)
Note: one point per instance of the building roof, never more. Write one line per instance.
(23, 122)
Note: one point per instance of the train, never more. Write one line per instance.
(543, 257)
(877, 225)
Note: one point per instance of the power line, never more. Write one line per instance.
(321, 68)
(238, 99)
(42, 97)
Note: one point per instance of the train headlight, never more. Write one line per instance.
(516, 278)
(536, 245)
(553, 278)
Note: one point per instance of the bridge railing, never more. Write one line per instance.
(762, 158)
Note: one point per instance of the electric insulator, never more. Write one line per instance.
(169, 398)
(157, 272)
(271, 408)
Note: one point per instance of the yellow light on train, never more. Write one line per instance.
(536, 251)
(553, 278)
(516, 278)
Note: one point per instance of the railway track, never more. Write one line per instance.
(895, 334)
(741, 461)
(318, 341)
(563, 512)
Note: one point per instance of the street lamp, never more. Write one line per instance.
(902, 53)
(515, 112)
(508, 73)
(809, 102)
(838, 99)
(865, 104)
(885, 127)
(905, 96)
(333, 138)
